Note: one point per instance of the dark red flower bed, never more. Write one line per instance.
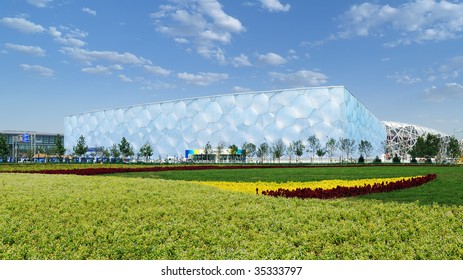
(340, 191)
(109, 170)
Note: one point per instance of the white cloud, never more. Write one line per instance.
(201, 23)
(111, 56)
(181, 40)
(117, 67)
(451, 91)
(99, 69)
(42, 71)
(73, 37)
(157, 70)
(274, 6)
(271, 59)
(300, 78)
(416, 21)
(22, 25)
(452, 68)
(405, 79)
(33, 50)
(153, 85)
(89, 11)
(241, 61)
(124, 78)
(39, 3)
(202, 78)
(241, 89)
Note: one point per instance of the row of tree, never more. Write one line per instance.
(221, 152)
(425, 147)
(295, 149)
(121, 150)
(432, 146)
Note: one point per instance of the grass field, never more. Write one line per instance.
(161, 215)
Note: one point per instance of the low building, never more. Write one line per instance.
(24, 145)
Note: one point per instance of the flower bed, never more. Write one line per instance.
(342, 191)
(251, 187)
(89, 169)
(323, 189)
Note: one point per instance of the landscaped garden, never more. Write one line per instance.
(213, 212)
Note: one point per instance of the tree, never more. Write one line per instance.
(207, 150)
(81, 148)
(125, 148)
(313, 145)
(426, 147)
(321, 153)
(262, 151)
(453, 148)
(278, 149)
(249, 150)
(365, 148)
(432, 145)
(114, 151)
(233, 149)
(59, 149)
(4, 149)
(346, 145)
(105, 152)
(290, 151)
(146, 151)
(331, 148)
(220, 148)
(419, 148)
(298, 147)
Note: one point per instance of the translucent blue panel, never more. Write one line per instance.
(227, 103)
(300, 106)
(179, 110)
(260, 103)
(285, 117)
(250, 116)
(213, 112)
(318, 97)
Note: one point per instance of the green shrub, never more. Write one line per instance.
(377, 160)
(361, 160)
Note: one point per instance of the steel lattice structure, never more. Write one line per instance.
(401, 137)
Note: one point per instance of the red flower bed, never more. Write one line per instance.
(109, 170)
(340, 191)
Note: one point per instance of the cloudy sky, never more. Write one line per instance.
(401, 59)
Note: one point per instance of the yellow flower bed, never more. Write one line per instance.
(250, 187)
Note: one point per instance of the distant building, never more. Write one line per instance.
(401, 137)
(26, 144)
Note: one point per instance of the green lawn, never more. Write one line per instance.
(154, 216)
(446, 189)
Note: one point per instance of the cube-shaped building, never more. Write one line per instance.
(172, 127)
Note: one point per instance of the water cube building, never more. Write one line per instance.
(172, 127)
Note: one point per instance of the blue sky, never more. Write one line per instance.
(401, 59)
